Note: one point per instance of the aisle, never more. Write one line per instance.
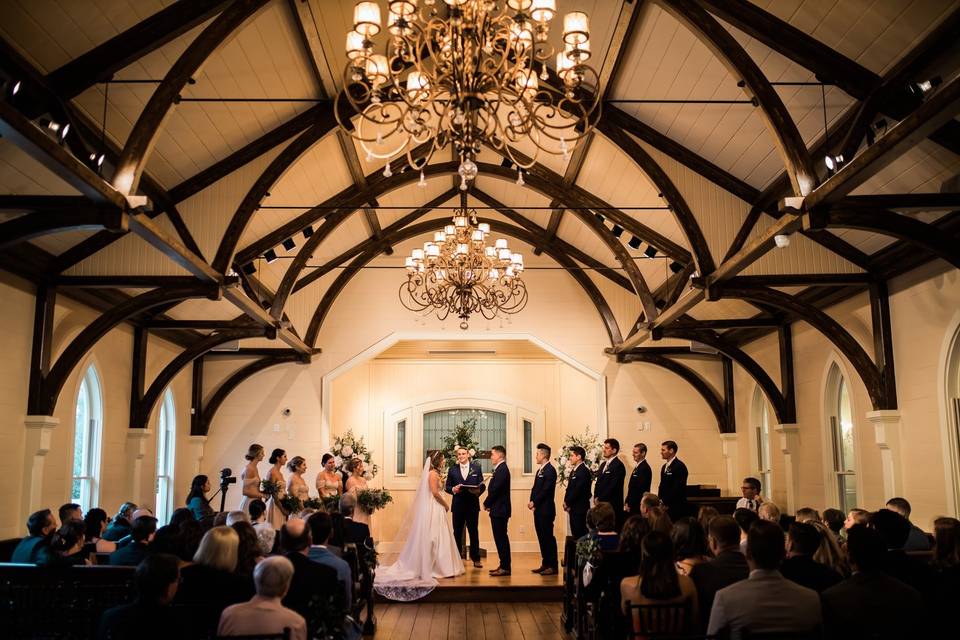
(473, 621)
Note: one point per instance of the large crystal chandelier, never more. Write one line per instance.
(466, 72)
(459, 273)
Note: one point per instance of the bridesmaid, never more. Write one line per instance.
(329, 483)
(250, 477)
(276, 517)
(356, 483)
(296, 486)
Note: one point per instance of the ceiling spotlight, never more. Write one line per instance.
(289, 244)
(249, 268)
(270, 255)
(922, 88)
(833, 162)
(676, 267)
(781, 240)
(650, 252)
(617, 231)
(308, 231)
(16, 88)
(634, 242)
(600, 217)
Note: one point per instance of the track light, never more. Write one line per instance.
(520, 182)
(60, 129)
(270, 255)
(289, 244)
(617, 231)
(650, 252)
(676, 267)
(634, 242)
(922, 88)
(16, 88)
(249, 268)
(833, 162)
(11, 87)
(781, 240)
(600, 217)
(308, 231)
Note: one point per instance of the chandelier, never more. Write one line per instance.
(459, 273)
(465, 73)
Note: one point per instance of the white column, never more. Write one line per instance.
(137, 440)
(886, 430)
(39, 433)
(195, 445)
(729, 450)
(790, 448)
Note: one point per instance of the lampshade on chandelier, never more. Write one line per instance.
(459, 273)
(466, 72)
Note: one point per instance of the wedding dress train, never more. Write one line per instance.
(429, 551)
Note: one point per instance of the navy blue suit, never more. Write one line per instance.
(544, 513)
(673, 488)
(465, 506)
(609, 487)
(498, 504)
(639, 484)
(577, 499)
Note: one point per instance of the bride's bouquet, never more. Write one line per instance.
(371, 500)
(593, 447)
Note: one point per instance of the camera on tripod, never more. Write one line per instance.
(226, 478)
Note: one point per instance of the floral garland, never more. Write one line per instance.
(593, 447)
(371, 500)
(346, 447)
(461, 436)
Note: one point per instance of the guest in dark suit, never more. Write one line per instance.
(728, 564)
(640, 480)
(543, 505)
(610, 477)
(465, 505)
(497, 505)
(150, 616)
(803, 540)
(354, 532)
(870, 603)
(40, 525)
(120, 527)
(311, 580)
(144, 529)
(673, 481)
(894, 529)
(576, 499)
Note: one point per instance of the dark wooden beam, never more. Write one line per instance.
(729, 396)
(41, 204)
(801, 280)
(139, 370)
(570, 175)
(36, 225)
(841, 247)
(100, 63)
(360, 181)
(785, 350)
(729, 323)
(949, 201)
(251, 352)
(41, 351)
(883, 340)
(131, 281)
(196, 396)
(202, 325)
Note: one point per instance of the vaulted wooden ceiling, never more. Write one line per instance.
(219, 112)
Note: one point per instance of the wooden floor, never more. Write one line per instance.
(469, 621)
(520, 574)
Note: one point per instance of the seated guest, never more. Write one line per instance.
(894, 529)
(601, 521)
(265, 614)
(210, 584)
(765, 602)
(311, 581)
(830, 553)
(248, 550)
(659, 583)
(653, 509)
(744, 518)
(237, 516)
(728, 564)
(65, 548)
(188, 541)
(96, 523)
(321, 528)
(121, 525)
(803, 540)
(197, 498)
(807, 514)
(946, 563)
(770, 512)
(917, 540)
(144, 529)
(40, 526)
(166, 540)
(833, 520)
(705, 515)
(856, 516)
(266, 534)
(689, 544)
(181, 515)
(353, 532)
(870, 603)
(220, 520)
(70, 511)
(751, 499)
(149, 616)
(631, 538)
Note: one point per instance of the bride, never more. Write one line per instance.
(429, 551)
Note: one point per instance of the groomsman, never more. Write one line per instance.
(497, 505)
(610, 477)
(545, 511)
(576, 500)
(673, 481)
(640, 480)
(465, 505)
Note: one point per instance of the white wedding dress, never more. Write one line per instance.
(429, 551)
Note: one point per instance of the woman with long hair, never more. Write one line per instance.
(65, 547)
(355, 484)
(275, 515)
(248, 549)
(829, 552)
(659, 583)
(250, 477)
(95, 522)
(329, 482)
(197, 498)
(296, 485)
(689, 543)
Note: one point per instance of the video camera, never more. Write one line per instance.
(226, 477)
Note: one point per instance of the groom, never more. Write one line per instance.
(497, 505)
(465, 505)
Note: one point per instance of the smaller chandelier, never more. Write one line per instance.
(459, 273)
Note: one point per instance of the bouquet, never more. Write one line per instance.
(348, 446)
(290, 504)
(331, 504)
(371, 500)
(314, 503)
(461, 436)
(591, 444)
(270, 489)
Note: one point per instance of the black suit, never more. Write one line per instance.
(126, 622)
(872, 605)
(640, 481)
(709, 577)
(609, 487)
(673, 488)
(807, 572)
(355, 532)
(577, 499)
(544, 513)
(498, 504)
(465, 506)
(312, 581)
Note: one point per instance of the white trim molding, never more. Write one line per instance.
(886, 428)
(39, 433)
(790, 448)
(137, 441)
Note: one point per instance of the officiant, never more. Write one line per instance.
(465, 484)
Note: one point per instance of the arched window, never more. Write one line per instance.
(841, 434)
(760, 420)
(166, 439)
(87, 431)
(952, 403)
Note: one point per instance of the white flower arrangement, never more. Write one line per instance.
(346, 447)
(594, 450)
